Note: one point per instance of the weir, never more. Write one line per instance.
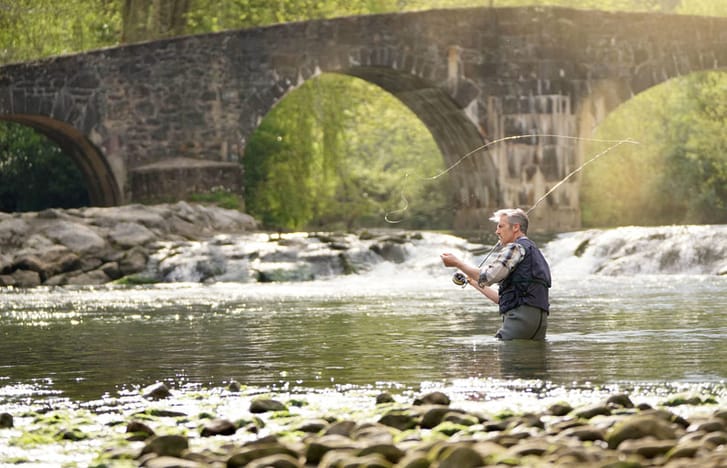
(627, 251)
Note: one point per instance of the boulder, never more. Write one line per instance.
(129, 235)
(77, 237)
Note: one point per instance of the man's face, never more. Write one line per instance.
(506, 232)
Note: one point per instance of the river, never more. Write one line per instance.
(631, 308)
(636, 310)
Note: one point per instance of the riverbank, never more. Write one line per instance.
(238, 426)
(135, 244)
(90, 246)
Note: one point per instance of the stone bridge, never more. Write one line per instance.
(154, 121)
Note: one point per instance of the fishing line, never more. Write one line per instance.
(561, 182)
(460, 278)
(400, 210)
(517, 137)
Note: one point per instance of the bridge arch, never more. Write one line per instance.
(97, 175)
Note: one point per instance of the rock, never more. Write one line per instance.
(6, 420)
(171, 462)
(373, 433)
(138, 431)
(258, 451)
(13, 232)
(434, 415)
(279, 460)
(112, 270)
(713, 425)
(318, 447)
(637, 427)
(77, 237)
(687, 450)
(402, 420)
(6, 262)
(620, 400)
(460, 456)
(715, 439)
(94, 277)
(591, 411)
(133, 261)
(129, 235)
(584, 433)
(560, 409)
(384, 397)
(157, 391)
(391, 252)
(335, 459)
(433, 398)
(343, 428)
(148, 215)
(533, 447)
(167, 445)
(25, 279)
(263, 405)
(313, 426)
(648, 447)
(414, 460)
(218, 427)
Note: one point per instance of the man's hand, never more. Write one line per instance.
(449, 260)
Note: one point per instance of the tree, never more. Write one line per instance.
(31, 29)
(155, 19)
(695, 146)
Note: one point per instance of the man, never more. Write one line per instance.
(523, 276)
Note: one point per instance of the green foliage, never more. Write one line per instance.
(35, 173)
(678, 172)
(219, 197)
(31, 29)
(695, 147)
(211, 15)
(328, 156)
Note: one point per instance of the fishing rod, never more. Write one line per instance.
(459, 278)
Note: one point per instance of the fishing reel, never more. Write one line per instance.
(459, 279)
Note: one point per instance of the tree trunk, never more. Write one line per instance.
(156, 19)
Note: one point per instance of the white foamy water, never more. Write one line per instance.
(700, 250)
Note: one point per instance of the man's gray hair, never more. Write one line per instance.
(514, 216)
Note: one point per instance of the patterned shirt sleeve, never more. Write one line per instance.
(506, 261)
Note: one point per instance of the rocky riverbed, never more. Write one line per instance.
(171, 242)
(97, 245)
(237, 426)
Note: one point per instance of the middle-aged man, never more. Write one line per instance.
(523, 276)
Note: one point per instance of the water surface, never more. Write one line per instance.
(397, 324)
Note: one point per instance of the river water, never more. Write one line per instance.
(634, 306)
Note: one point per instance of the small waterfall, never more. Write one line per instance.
(405, 256)
(641, 250)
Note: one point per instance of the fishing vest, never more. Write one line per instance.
(528, 283)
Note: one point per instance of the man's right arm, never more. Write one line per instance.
(506, 261)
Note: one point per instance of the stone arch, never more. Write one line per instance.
(453, 131)
(97, 175)
(460, 141)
